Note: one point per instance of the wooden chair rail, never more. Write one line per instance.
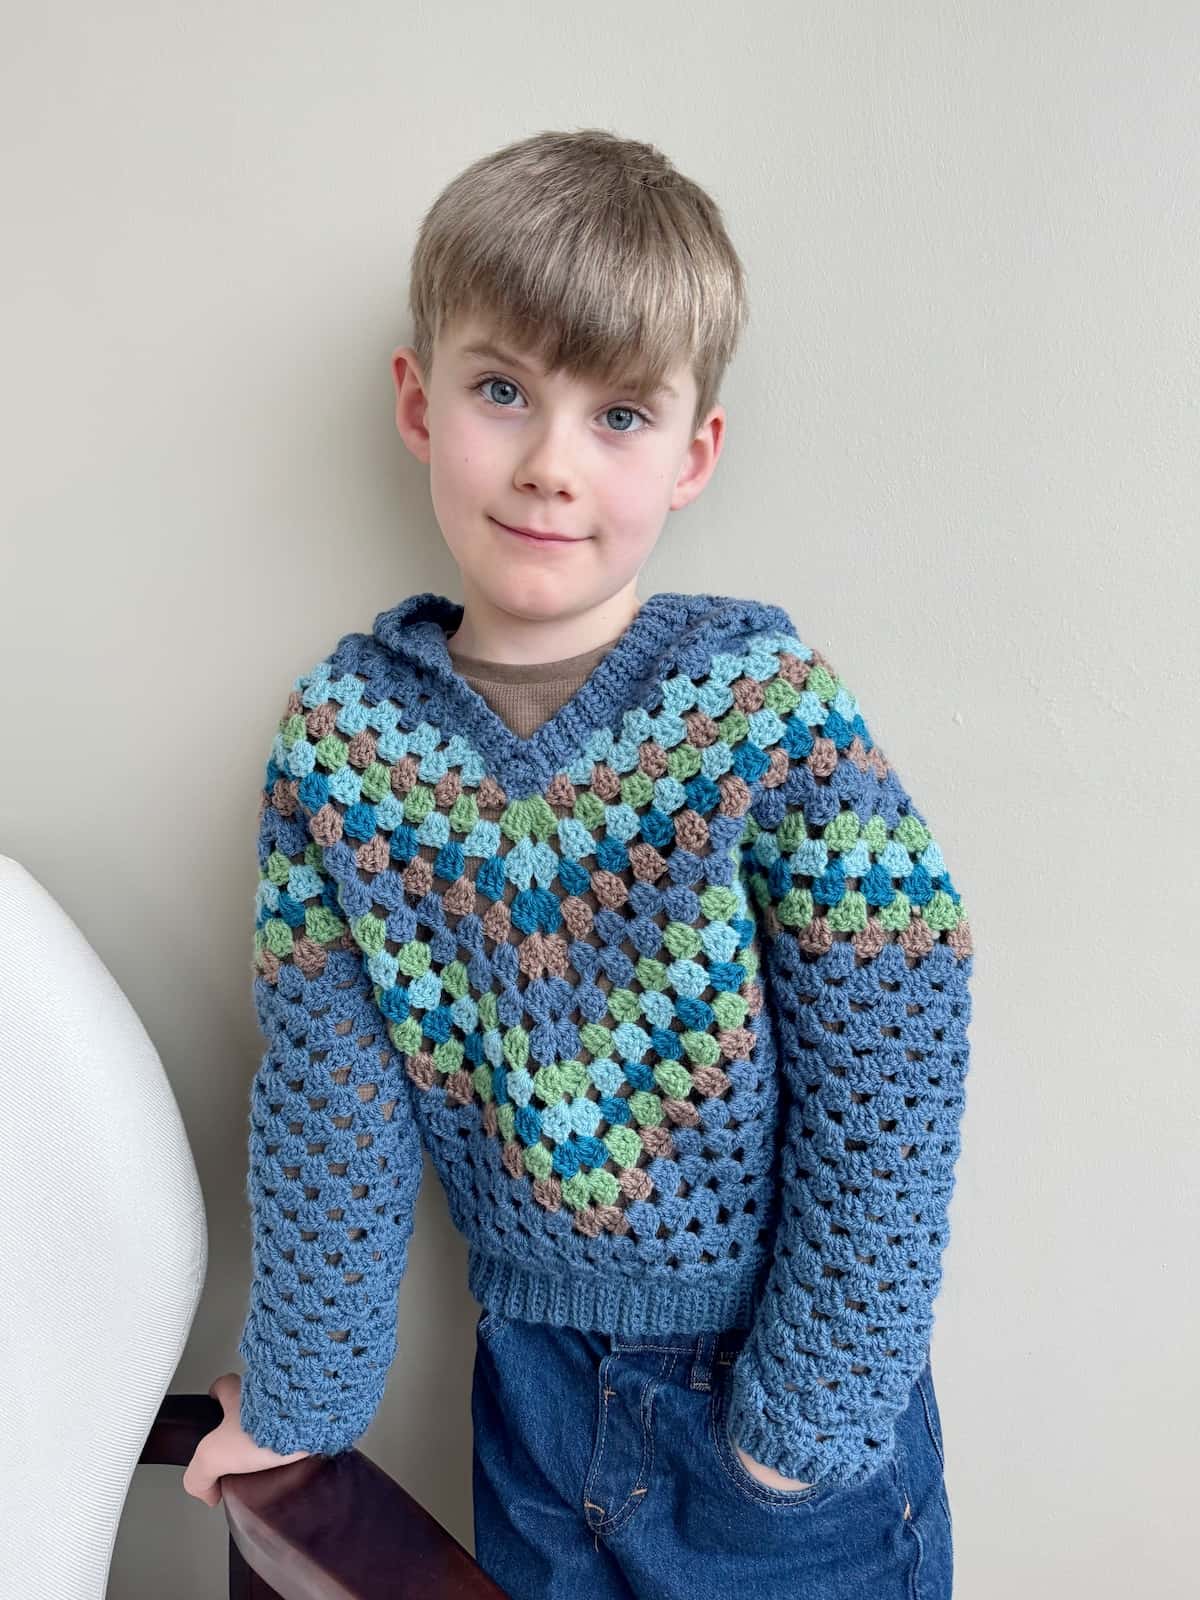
(324, 1528)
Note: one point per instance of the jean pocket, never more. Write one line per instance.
(738, 1476)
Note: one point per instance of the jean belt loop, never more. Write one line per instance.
(701, 1375)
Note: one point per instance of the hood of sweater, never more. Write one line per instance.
(670, 633)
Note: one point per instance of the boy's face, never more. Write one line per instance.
(509, 445)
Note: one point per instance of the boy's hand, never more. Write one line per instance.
(228, 1448)
(768, 1475)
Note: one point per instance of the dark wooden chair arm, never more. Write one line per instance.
(324, 1528)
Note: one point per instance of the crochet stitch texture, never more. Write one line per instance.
(674, 992)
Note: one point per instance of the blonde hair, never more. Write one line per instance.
(589, 251)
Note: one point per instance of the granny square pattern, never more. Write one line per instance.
(673, 992)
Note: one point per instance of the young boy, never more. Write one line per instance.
(615, 906)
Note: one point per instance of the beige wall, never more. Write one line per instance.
(962, 451)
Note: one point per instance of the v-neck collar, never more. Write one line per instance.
(669, 630)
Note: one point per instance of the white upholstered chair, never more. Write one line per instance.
(103, 1251)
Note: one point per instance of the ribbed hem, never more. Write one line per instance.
(611, 1304)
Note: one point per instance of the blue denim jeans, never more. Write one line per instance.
(602, 1467)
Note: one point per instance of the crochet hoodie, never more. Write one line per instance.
(674, 992)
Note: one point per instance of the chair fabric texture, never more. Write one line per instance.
(103, 1247)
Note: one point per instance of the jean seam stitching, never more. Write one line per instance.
(933, 1432)
(609, 1525)
(662, 1349)
(598, 1447)
(915, 1577)
(490, 1325)
(909, 1523)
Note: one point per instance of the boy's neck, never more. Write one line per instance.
(487, 633)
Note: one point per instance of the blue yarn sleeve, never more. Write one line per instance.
(334, 1155)
(866, 968)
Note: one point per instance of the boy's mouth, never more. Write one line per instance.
(532, 537)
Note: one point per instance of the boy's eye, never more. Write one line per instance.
(501, 383)
(508, 388)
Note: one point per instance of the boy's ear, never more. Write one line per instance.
(411, 401)
(700, 458)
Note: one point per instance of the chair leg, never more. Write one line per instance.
(244, 1582)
